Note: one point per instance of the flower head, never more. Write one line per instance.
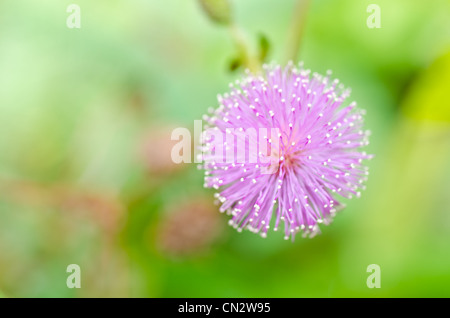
(307, 150)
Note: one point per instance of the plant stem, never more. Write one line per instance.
(296, 30)
(248, 60)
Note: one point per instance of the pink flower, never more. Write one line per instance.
(314, 157)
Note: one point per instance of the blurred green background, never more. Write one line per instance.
(85, 172)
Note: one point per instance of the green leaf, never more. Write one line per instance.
(264, 47)
(428, 96)
(234, 64)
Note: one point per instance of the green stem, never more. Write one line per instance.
(296, 30)
(248, 60)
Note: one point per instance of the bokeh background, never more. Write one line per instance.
(85, 171)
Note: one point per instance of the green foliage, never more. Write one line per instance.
(264, 47)
(428, 97)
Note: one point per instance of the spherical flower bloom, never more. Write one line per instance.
(311, 152)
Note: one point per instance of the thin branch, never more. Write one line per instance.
(296, 29)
